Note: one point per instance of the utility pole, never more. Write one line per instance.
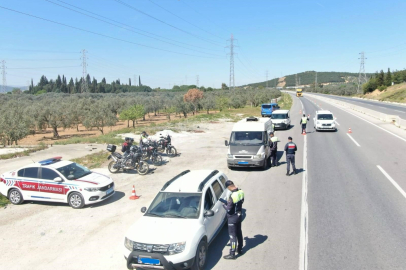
(135, 81)
(3, 72)
(197, 81)
(84, 74)
(232, 79)
(296, 81)
(362, 77)
(267, 79)
(299, 81)
(315, 81)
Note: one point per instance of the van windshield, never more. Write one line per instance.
(279, 116)
(324, 117)
(266, 106)
(247, 137)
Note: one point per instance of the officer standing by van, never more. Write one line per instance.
(304, 121)
(273, 143)
(290, 149)
(233, 207)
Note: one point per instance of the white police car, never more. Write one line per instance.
(56, 180)
(184, 218)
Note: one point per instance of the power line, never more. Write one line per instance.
(125, 28)
(43, 67)
(168, 24)
(23, 50)
(11, 59)
(138, 29)
(102, 35)
(184, 19)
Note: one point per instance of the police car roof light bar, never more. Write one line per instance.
(50, 160)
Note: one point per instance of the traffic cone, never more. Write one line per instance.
(304, 132)
(349, 130)
(133, 195)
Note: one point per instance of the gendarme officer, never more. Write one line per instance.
(290, 149)
(234, 215)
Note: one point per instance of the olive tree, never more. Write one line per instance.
(99, 116)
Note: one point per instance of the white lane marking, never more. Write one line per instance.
(392, 181)
(399, 111)
(338, 123)
(304, 220)
(353, 140)
(403, 139)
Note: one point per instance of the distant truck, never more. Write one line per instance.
(299, 92)
(268, 108)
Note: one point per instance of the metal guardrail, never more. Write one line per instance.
(394, 119)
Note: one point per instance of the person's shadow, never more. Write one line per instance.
(251, 243)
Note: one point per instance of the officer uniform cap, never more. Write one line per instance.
(228, 183)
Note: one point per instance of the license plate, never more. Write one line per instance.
(109, 191)
(149, 261)
(242, 162)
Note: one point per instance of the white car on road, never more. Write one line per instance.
(182, 220)
(324, 120)
(56, 180)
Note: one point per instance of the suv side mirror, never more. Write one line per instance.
(208, 213)
(226, 143)
(58, 179)
(143, 209)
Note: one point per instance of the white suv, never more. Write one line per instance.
(324, 120)
(182, 220)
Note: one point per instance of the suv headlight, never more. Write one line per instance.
(129, 244)
(229, 156)
(176, 248)
(91, 189)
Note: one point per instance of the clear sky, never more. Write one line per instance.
(186, 38)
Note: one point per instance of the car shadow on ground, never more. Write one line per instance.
(151, 171)
(282, 129)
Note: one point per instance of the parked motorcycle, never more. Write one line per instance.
(150, 151)
(165, 145)
(130, 161)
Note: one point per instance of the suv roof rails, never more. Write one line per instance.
(252, 118)
(213, 173)
(173, 179)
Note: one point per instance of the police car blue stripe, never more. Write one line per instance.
(38, 197)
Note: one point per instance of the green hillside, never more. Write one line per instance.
(308, 78)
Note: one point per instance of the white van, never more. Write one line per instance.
(281, 119)
(248, 146)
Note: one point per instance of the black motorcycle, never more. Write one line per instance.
(165, 145)
(129, 161)
(150, 151)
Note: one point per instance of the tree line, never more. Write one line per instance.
(25, 114)
(381, 80)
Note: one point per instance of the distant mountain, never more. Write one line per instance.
(308, 78)
(10, 88)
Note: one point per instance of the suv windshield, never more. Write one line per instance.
(247, 137)
(74, 171)
(279, 116)
(177, 205)
(324, 117)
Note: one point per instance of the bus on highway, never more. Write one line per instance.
(299, 92)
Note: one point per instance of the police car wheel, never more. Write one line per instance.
(76, 200)
(15, 196)
(201, 256)
(265, 166)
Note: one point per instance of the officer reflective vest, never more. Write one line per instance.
(234, 206)
(304, 120)
(274, 139)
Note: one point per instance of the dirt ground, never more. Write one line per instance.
(46, 136)
(44, 235)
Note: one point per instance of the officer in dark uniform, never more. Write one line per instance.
(234, 215)
(290, 149)
(273, 143)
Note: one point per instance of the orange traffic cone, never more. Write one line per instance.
(133, 195)
(349, 130)
(304, 132)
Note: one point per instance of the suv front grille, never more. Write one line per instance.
(163, 249)
(243, 157)
(107, 187)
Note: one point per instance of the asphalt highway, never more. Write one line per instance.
(357, 215)
(382, 107)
